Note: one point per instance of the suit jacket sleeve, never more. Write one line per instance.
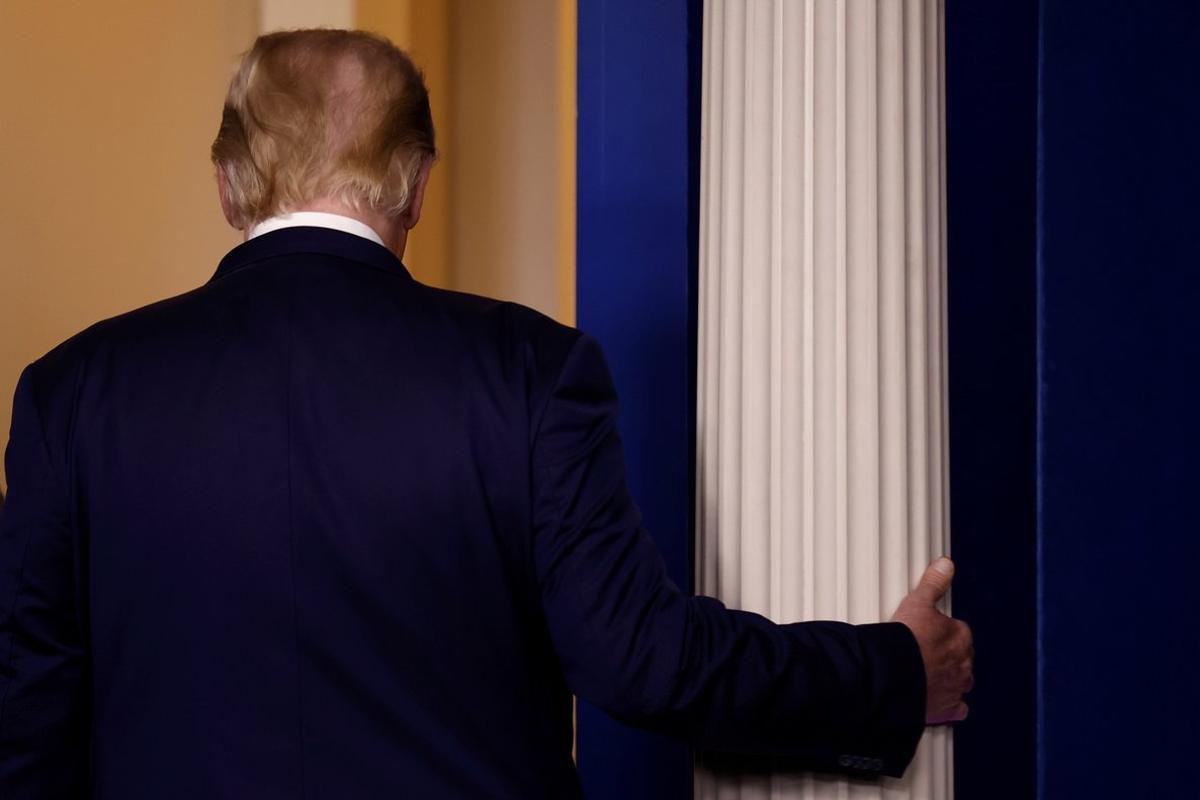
(44, 723)
(823, 695)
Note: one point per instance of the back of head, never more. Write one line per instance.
(322, 115)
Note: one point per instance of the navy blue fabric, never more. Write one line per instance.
(1119, 351)
(315, 529)
(1074, 342)
(992, 302)
(638, 198)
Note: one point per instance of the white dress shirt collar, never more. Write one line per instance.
(316, 219)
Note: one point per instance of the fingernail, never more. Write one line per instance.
(944, 566)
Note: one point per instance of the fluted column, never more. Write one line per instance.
(821, 390)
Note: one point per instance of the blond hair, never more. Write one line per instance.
(314, 114)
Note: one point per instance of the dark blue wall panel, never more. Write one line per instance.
(637, 205)
(1099, 449)
(1120, 418)
(991, 107)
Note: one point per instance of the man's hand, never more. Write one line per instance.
(945, 645)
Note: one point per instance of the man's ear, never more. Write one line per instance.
(412, 215)
(223, 196)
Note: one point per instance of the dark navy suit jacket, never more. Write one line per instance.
(317, 530)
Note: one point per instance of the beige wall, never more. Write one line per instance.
(505, 180)
(107, 111)
(500, 209)
(422, 28)
(108, 203)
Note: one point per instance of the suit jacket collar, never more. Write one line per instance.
(322, 241)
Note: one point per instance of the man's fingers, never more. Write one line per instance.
(936, 580)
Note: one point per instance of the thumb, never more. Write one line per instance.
(936, 581)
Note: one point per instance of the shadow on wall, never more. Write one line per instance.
(500, 212)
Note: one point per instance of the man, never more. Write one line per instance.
(316, 530)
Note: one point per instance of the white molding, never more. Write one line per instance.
(276, 15)
(821, 402)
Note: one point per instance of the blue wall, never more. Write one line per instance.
(638, 192)
(1109, 330)
(991, 108)
(1119, 336)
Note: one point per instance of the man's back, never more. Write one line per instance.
(304, 490)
